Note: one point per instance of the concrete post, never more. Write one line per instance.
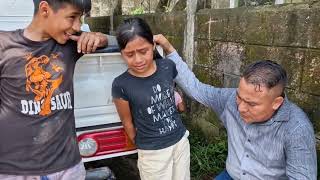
(188, 44)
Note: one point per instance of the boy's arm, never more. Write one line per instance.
(88, 42)
(124, 112)
(207, 95)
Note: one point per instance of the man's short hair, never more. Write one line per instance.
(83, 5)
(266, 73)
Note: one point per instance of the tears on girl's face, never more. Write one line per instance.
(138, 55)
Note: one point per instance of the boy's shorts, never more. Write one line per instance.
(77, 172)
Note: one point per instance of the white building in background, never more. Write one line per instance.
(14, 15)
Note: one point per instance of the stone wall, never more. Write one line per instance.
(129, 7)
(226, 40)
(126, 7)
(172, 25)
(103, 7)
(289, 34)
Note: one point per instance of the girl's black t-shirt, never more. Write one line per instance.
(152, 106)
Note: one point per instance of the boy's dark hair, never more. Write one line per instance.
(267, 73)
(83, 5)
(132, 27)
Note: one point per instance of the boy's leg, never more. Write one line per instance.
(14, 177)
(155, 164)
(76, 172)
(181, 159)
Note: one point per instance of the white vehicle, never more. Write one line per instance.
(100, 133)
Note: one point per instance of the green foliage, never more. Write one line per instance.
(137, 11)
(207, 158)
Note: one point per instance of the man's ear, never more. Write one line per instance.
(277, 102)
(44, 8)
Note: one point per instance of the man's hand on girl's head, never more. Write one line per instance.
(88, 42)
(164, 43)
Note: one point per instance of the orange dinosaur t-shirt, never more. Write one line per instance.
(37, 125)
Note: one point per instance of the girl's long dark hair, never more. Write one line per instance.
(132, 28)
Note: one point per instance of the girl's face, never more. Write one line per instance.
(138, 55)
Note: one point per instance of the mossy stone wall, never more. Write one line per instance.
(226, 40)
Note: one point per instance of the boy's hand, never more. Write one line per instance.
(164, 43)
(89, 41)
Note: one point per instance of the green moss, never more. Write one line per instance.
(208, 75)
(311, 73)
(177, 42)
(309, 103)
(207, 53)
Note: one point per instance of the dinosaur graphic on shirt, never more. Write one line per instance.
(41, 81)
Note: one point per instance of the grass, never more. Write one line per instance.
(207, 158)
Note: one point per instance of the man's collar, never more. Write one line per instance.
(283, 113)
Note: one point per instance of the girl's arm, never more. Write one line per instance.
(124, 112)
(181, 107)
(179, 102)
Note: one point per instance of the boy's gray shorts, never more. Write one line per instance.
(76, 172)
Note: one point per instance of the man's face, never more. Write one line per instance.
(63, 23)
(257, 104)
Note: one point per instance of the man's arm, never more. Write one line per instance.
(301, 158)
(205, 94)
(88, 42)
